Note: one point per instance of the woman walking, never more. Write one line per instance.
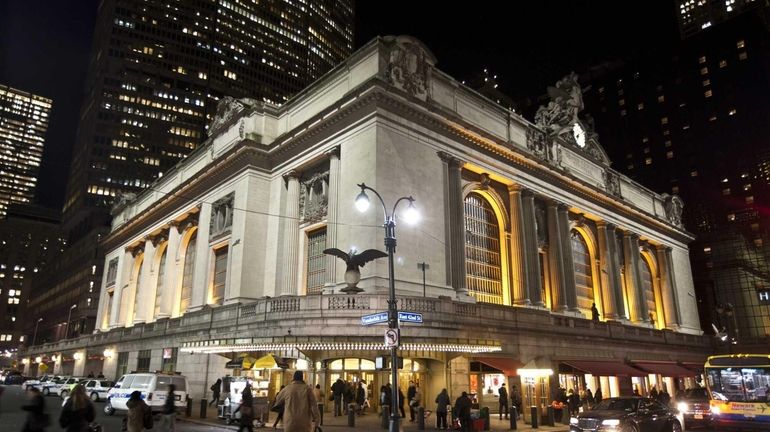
(442, 408)
(78, 412)
(247, 410)
(139, 416)
(37, 419)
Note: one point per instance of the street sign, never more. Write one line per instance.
(391, 338)
(410, 317)
(377, 318)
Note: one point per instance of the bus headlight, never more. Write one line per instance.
(682, 407)
(716, 410)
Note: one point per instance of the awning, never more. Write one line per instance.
(242, 362)
(507, 365)
(605, 368)
(270, 362)
(667, 369)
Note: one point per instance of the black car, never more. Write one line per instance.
(14, 378)
(626, 414)
(694, 406)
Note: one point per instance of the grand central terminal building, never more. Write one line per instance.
(545, 267)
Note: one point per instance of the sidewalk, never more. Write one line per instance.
(368, 422)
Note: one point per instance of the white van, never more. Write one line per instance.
(153, 386)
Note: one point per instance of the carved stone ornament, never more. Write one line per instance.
(673, 205)
(122, 201)
(611, 182)
(409, 65)
(537, 143)
(314, 198)
(221, 216)
(227, 108)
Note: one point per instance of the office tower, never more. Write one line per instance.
(694, 123)
(695, 16)
(23, 124)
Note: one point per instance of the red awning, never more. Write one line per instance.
(667, 369)
(507, 365)
(605, 368)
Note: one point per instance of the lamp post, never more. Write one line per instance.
(34, 337)
(423, 266)
(410, 215)
(67, 329)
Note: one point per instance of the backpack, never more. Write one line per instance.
(213, 387)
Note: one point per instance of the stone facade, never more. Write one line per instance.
(219, 256)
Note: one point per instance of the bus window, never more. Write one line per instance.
(757, 384)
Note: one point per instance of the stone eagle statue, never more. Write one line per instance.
(354, 261)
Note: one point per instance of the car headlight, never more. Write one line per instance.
(611, 422)
(682, 407)
(573, 420)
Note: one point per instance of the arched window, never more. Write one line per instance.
(648, 289)
(584, 281)
(138, 289)
(187, 274)
(482, 250)
(161, 280)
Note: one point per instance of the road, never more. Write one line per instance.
(12, 417)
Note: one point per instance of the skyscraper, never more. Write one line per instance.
(23, 124)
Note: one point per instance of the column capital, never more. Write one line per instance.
(291, 175)
(527, 193)
(451, 160)
(609, 226)
(561, 207)
(550, 202)
(516, 188)
(333, 152)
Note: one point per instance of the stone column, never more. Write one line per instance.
(291, 235)
(531, 254)
(667, 290)
(609, 276)
(144, 304)
(634, 288)
(202, 258)
(568, 260)
(454, 212)
(331, 214)
(556, 258)
(170, 273)
(519, 264)
(614, 254)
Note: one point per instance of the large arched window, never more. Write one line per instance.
(138, 289)
(482, 250)
(648, 289)
(187, 274)
(584, 281)
(161, 280)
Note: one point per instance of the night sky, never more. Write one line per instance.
(44, 48)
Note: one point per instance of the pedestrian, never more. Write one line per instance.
(416, 402)
(139, 416)
(366, 396)
(338, 389)
(503, 401)
(663, 397)
(654, 393)
(386, 399)
(90, 374)
(589, 402)
(594, 313)
(319, 397)
(598, 395)
(360, 398)
(101, 375)
(216, 390)
(246, 408)
(78, 412)
(37, 419)
(516, 400)
(573, 401)
(442, 405)
(463, 412)
(300, 407)
(169, 411)
(410, 392)
(278, 407)
(400, 402)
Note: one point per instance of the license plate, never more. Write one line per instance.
(698, 416)
(177, 397)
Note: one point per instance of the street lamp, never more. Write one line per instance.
(34, 337)
(67, 329)
(410, 215)
(729, 310)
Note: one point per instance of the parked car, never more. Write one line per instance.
(45, 387)
(65, 388)
(97, 389)
(694, 406)
(14, 378)
(153, 386)
(33, 381)
(628, 414)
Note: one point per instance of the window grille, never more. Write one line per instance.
(482, 251)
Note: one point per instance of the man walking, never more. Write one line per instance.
(216, 390)
(503, 392)
(463, 412)
(410, 393)
(338, 389)
(300, 408)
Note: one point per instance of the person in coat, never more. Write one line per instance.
(78, 412)
(300, 409)
(246, 408)
(338, 389)
(216, 390)
(503, 401)
(360, 398)
(37, 420)
(410, 393)
(169, 410)
(442, 408)
(573, 400)
(280, 408)
(463, 412)
(598, 395)
(401, 403)
(319, 397)
(139, 416)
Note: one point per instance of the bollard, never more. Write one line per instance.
(204, 406)
(533, 413)
(385, 416)
(420, 418)
(189, 407)
(514, 414)
(565, 415)
(484, 415)
(550, 416)
(351, 415)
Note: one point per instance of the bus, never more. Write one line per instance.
(739, 389)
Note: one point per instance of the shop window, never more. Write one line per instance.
(316, 261)
(583, 274)
(482, 251)
(122, 363)
(187, 273)
(143, 362)
(220, 276)
(161, 279)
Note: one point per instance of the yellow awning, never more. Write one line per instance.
(266, 362)
(248, 362)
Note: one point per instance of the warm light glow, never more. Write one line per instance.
(362, 202)
(55, 358)
(216, 346)
(78, 356)
(534, 373)
(411, 215)
(38, 359)
(25, 361)
(108, 353)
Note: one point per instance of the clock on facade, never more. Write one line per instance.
(579, 134)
